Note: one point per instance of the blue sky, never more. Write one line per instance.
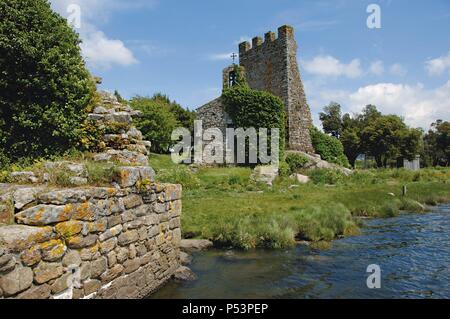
(180, 48)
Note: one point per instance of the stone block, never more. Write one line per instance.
(62, 197)
(122, 254)
(6, 214)
(112, 232)
(112, 273)
(89, 253)
(16, 281)
(72, 258)
(19, 237)
(43, 215)
(114, 220)
(7, 263)
(85, 211)
(98, 226)
(132, 201)
(128, 237)
(92, 286)
(25, 196)
(78, 242)
(52, 250)
(126, 176)
(108, 245)
(45, 272)
(36, 292)
(98, 267)
(131, 265)
(172, 191)
(69, 228)
(62, 283)
(32, 256)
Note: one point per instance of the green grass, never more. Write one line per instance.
(226, 206)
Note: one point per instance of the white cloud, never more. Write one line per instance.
(377, 68)
(102, 52)
(398, 70)
(438, 66)
(220, 56)
(99, 50)
(419, 106)
(327, 65)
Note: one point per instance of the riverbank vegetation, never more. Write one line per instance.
(225, 205)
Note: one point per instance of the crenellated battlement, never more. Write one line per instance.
(284, 33)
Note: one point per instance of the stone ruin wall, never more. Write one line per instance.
(119, 241)
(271, 65)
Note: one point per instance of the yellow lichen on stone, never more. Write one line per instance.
(83, 212)
(70, 228)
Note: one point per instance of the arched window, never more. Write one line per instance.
(232, 78)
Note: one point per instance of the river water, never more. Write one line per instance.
(412, 250)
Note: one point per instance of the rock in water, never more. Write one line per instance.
(190, 245)
(184, 274)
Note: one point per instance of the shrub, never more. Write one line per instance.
(284, 169)
(156, 123)
(255, 109)
(326, 176)
(296, 161)
(44, 84)
(329, 148)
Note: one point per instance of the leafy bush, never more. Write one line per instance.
(44, 84)
(284, 169)
(326, 176)
(156, 123)
(184, 117)
(255, 109)
(329, 148)
(296, 161)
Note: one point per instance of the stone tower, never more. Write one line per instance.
(271, 65)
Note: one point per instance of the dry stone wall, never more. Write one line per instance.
(118, 241)
(92, 242)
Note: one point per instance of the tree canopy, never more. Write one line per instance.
(44, 84)
(160, 117)
(385, 137)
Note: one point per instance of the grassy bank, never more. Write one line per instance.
(224, 205)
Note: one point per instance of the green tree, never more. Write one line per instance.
(331, 119)
(156, 123)
(388, 138)
(328, 147)
(184, 117)
(437, 144)
(119, 97)
(351, 142)
(44, 84)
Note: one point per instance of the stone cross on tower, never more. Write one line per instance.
(234, 56)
